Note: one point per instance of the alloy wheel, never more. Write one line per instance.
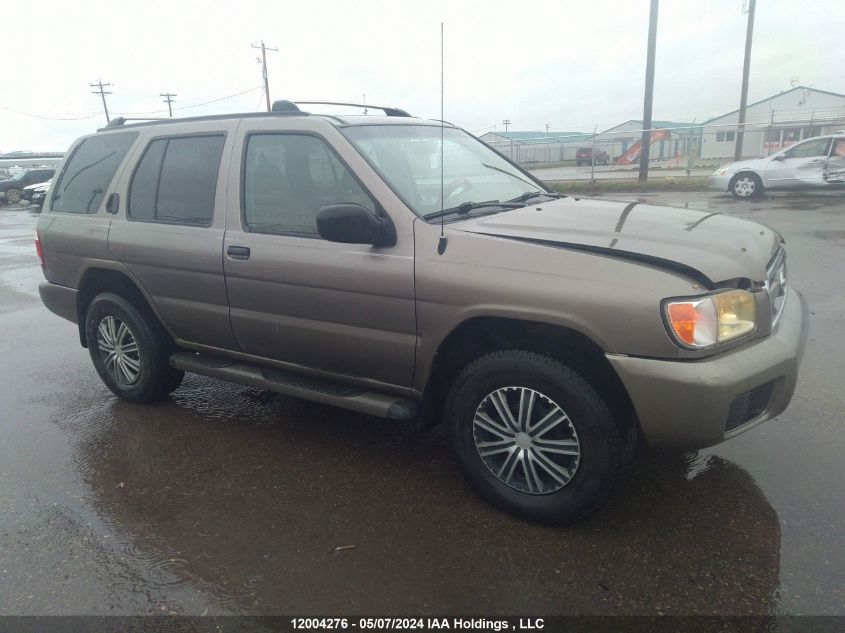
(119, 350)
(745, 186)
(526, 440)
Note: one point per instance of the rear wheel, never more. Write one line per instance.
(533, 437)
(13, 196)
(130, 350)
(744, 186)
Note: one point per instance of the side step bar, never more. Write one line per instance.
(298, 385)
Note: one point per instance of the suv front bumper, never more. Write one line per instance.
(690, 403)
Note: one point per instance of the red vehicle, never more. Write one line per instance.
(584, 156)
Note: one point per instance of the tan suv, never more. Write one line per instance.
(401, 268)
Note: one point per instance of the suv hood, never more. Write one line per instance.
(709, 247)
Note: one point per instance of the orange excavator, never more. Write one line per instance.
(632, 154)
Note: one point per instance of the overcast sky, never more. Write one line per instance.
(573, 64)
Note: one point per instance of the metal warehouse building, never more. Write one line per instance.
(771, 124)
(774, 123)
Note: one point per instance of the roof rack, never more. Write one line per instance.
(280, 108)
(388, 111)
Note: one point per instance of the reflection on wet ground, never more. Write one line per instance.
(227, 499)
(249, 496)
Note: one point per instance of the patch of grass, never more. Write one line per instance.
(693, 183)
(543, 165)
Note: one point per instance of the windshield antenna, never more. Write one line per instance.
(441, 245)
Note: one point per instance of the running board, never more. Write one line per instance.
(298, 385)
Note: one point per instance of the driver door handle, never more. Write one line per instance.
(238, 252)
(817, 161)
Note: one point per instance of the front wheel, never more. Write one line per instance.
(744, 186)
(533, 437)
(129, 349)
(13, 196)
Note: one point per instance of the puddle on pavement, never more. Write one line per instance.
(246, 496)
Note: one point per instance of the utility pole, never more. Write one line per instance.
(645, 139)
(168, 98)
(547, 128)
(102, 92)
(263, 62)
(746, 67)
(507, 123)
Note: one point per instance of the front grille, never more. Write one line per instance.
(748, 406)
(776, 284)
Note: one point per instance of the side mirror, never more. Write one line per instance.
(779, 157)
(350, 223)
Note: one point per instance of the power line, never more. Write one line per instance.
(51, 118)
(263, 61)
(168, 98)
(96, 114)
(237, 94)
(100, 91)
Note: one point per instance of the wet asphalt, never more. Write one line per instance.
(225, 499)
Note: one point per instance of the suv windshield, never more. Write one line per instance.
(408, 158)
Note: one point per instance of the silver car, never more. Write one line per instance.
(814, 163)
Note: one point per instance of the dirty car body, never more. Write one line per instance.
(360, 262)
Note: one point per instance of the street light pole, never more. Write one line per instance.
(746, 68)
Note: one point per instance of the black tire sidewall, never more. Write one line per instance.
(597, 433)
(156, 375)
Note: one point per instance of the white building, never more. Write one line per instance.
(775, 122)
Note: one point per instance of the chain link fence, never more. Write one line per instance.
(685, 147)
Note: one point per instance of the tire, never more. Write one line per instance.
(13, 196)
(140, 372)
(515, 474)
(745, 186)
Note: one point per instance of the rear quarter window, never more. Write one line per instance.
(88, 173)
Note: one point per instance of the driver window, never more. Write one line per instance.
(288, 178)
(809, 149)
(839, 148)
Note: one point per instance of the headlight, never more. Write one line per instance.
(721, 171)
(708, 321)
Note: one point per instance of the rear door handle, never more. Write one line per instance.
(238, 252)
(818, 161)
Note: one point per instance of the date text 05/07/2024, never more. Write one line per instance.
(418, 624)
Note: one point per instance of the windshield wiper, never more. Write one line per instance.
(533, 194)
(507, 173)
(466, 207)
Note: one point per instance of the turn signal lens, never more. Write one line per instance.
(694, 322)
(708, 321)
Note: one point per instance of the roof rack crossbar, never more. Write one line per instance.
(388, 111)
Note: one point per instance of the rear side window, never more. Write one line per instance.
(89, 172)
(176, 180)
